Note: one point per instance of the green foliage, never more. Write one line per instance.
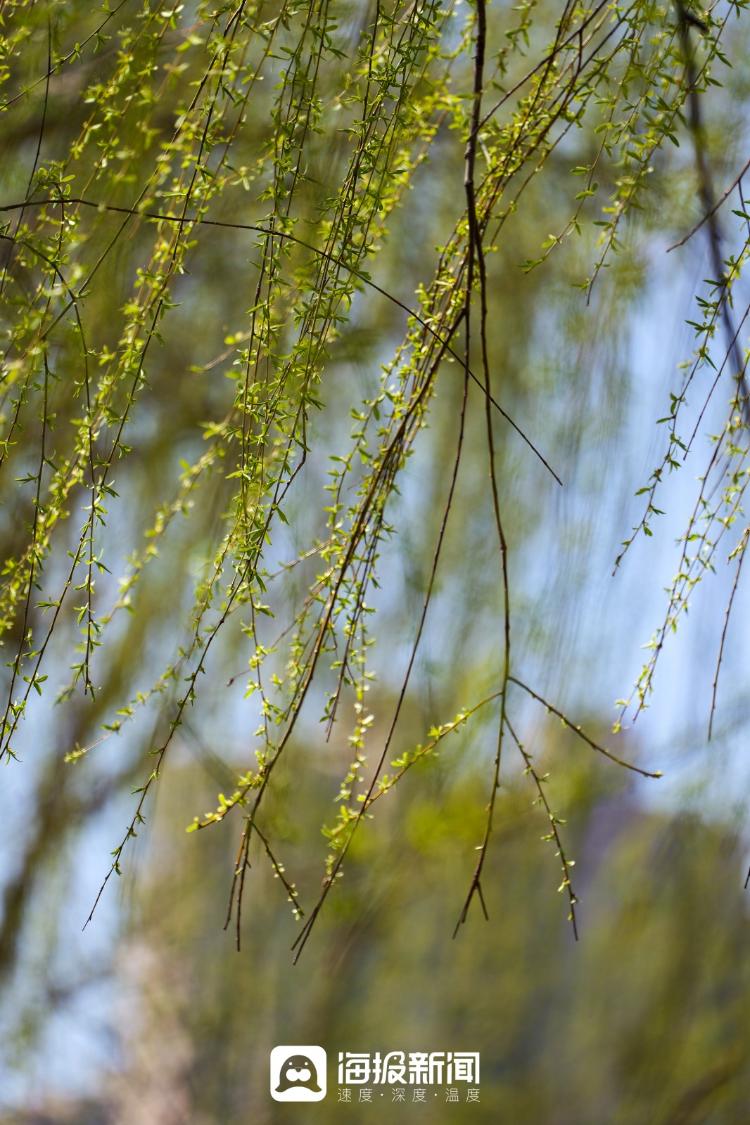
(189, 259)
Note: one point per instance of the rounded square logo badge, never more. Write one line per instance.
(298, 1074)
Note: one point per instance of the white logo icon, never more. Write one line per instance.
(298, 1074)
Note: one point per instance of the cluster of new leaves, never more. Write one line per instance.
(294, 130)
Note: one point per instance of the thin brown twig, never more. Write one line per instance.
(565, 863)
(476, 255)
(577, 730)
(741, 550)
(708, 215)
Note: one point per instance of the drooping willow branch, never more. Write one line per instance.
(285, 236)
(320, 164)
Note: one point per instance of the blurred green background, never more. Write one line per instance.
(150, 1016)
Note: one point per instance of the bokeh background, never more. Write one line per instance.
(150, 1016)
